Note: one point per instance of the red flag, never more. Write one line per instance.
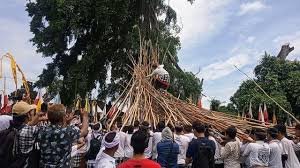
(111, 112)
(266, 115)
(5, 108)
(261, 115)
(199, 103)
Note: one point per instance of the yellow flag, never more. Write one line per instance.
(87, 105)
(274, 119)
(14, 70)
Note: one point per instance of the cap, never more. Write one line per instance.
(22, 107)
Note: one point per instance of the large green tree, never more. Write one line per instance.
(103, 33)
(280, 79)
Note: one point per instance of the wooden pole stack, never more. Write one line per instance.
(145, 103)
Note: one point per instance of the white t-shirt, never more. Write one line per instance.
(5, 121)
(258, 153)
(287, 148)
(162, 73)
(128, 148)
(183, 143)
(275, 154)
(105, 161)
(218, 148)
(191, 136)
(120, 153)
(156, 139)
(148, 150)
(231, 154)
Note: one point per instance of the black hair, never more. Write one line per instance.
(130, 129)
(273, 132)
(188, 128)
(125, 129)
(44, 107)
(110, 137)
(136, 123)
(19, 119)
(260, 134)
(281, 128)
(139, 141)
(119, 124)
(96, 126)
(160, 126)
(198, 127)
(231, 132)
(178, 128)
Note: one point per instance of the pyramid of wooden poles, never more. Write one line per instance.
(141, 101)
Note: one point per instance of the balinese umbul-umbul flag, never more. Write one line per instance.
(199, 103)
(261, 115)
(250, 114)
(5, 107)
(266, 115)
(38, 101)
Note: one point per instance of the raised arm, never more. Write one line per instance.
(85, 123)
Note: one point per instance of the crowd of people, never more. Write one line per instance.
(59, 137)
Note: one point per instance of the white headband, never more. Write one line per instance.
(112, 144)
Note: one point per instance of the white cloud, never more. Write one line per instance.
(15, 37)
(250, 39)
(200, 20)
(250, 7)
(293, 39)
(224, 68)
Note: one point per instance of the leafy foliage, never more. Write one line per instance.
(279, 78)
(215, 104)
(103, 33)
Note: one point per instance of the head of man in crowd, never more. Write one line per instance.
(259, 135)
(199, 129)
(136, 124)
(188, 129)
(139, 142)
(57, 114)
(160, 126)
(111, 143)
(281, 131)
(23, 113)
(130, 129)
(272, 134)
(230, 133)
(178, 129)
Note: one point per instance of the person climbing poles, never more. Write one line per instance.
(161, 77)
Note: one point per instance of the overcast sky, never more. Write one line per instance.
(216, 34)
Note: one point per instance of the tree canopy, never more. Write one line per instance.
(103, 32)
(280, 79)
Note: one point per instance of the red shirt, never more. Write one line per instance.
(139, 163)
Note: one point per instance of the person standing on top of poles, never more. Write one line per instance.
(161, 77)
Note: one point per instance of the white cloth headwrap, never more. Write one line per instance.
(112, 144)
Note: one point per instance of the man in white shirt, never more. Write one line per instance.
(162, 77)
(120, 153)
(157, 138)
(291, 160)
(258, 152)
(275, 153)
(188, 132)
(105, 158)
(145, 125)
(128, 148)
(183, 143)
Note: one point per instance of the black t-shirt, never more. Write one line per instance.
(201, 146)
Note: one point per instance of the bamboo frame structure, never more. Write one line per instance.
(145, 103)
